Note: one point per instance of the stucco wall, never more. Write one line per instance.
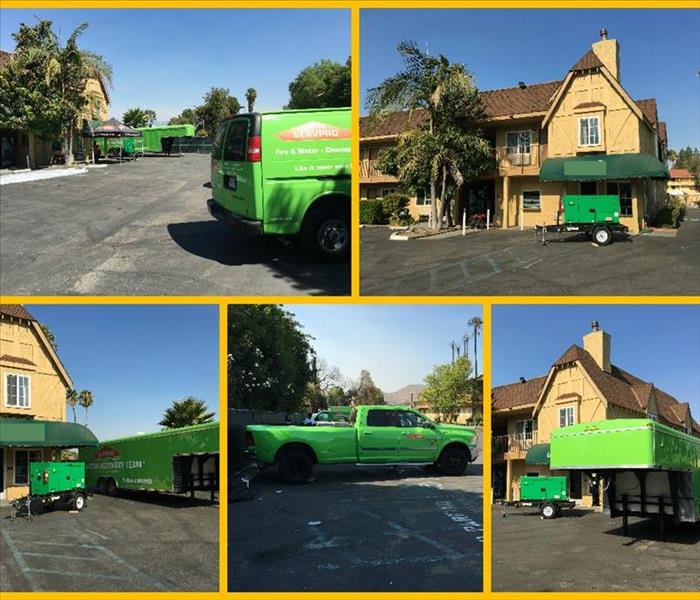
(47, 389)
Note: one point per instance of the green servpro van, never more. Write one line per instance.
(178, 460)
(286, 173)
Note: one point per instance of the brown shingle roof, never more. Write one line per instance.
(16, 310)
(17, 359)
(497, 103)
(663, 134)
(517, 395)
(588, 61)
(648, 108)
(681, 174)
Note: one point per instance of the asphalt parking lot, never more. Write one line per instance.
(502, 263)
(585, 551)
(359, 529)
(143, 228)
(146, 542)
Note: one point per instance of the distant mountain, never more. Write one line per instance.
(405, 394)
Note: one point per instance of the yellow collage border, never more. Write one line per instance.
(487, 302)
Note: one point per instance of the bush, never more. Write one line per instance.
(671, 215)
(395, 205)
(372, 212)
(677, 215)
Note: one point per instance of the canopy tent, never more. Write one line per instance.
(44, 434)
(538, 455)
(596, 167)
(113, 128)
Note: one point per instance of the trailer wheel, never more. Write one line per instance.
(453, 461)
(602, 235)
(101, 486)
(549, 510)
(295, 468)
(111, 487)
(79, 502)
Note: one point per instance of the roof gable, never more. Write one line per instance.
(588, 61)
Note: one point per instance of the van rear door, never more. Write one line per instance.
(236, 174)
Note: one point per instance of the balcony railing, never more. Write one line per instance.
(501, 444)
(508, 157)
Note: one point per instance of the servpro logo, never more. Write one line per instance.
(106, 452)
(314, 130)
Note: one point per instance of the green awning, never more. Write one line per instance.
(597, 167)
(49, 434)
(538, 455)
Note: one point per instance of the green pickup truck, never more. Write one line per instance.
(379, 435)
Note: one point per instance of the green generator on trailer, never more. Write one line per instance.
(598, 216)
(548, 493)
(650, 470)
(52, 484)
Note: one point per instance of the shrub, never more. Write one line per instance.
(372, 212)
(395, 205)
(671, 215)
(677, 215)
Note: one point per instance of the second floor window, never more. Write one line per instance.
(589, 131)
(518, 142)
(566, 416)
(17, 390)
(523, 429)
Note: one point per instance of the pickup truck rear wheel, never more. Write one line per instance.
(453, 461)
(326, 233)
(295, 468)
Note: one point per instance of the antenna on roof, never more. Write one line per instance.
(595, 326)
(521, 85)
(603, 34)
(522, 380)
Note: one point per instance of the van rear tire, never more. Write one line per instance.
(326, 234)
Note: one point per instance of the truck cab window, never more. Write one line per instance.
(382, 418)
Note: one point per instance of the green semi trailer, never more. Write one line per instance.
(649, 469)
(178, 460)
(153, 136)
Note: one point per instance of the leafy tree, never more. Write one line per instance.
(72, 399)
(448, 387)
(325, 84)
(336, 396)
(450, 148)
(186, 117)
(185, 412)
(269, 366)
(365, 392)
(139, 117)
(687, 158)
(49, 336)
(475, 323)
(42, 89)
(250, 97)
(85, 399)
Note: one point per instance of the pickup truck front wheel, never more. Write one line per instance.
(453, 461)
(295, 468)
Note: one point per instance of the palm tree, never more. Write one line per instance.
(448, 93)
(72, 399)
(185, 412)
(476, 324)
(250, 96)
(85, 399)
(66, 70)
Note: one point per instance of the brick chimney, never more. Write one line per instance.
(608, 51)
(597, 344)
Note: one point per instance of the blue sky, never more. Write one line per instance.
(659, 344)
(397, 344)
(168, 59)
(136, 359)
(659, 50)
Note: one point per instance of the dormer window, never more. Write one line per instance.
(589, 131)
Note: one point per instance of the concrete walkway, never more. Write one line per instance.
(27, 176)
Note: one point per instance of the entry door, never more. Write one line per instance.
(379, 438)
